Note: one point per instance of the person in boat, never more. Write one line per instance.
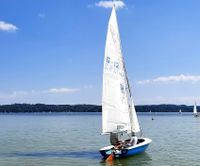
(114, 140)
(133, 141)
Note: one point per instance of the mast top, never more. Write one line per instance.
(113, 3)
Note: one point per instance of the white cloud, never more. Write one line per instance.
(62, 90)
(17, 94)
(178, 78)
(7, 27)
(109, 4)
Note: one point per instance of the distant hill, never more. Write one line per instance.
(88, 108)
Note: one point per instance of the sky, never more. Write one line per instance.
(52, 51)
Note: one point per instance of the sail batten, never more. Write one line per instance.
(118, 111)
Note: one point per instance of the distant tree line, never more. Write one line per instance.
(88, 108)
(49, 108)
(164, 108)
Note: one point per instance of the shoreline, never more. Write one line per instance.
(51, 108)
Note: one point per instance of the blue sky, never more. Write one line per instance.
(52, 51)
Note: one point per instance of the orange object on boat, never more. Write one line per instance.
(110, 158)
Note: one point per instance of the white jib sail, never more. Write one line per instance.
(195, 109)
(118, 111)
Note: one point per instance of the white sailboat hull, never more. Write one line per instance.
(140, 147)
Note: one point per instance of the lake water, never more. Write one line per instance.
(74, 139)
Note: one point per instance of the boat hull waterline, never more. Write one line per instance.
(125, 152)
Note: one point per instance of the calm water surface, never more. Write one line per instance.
(74, 139)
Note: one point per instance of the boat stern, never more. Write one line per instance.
(106, 151)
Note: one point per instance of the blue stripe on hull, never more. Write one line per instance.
(137, 150)
(125, 152)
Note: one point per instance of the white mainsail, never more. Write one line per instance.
(118, 111)
(195, 108)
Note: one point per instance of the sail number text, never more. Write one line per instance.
(112, 66)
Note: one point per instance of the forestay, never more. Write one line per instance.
(118, 111)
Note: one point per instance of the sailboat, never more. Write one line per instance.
(151, 115)
(118, 112)
(195, 110)
(180, 111)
